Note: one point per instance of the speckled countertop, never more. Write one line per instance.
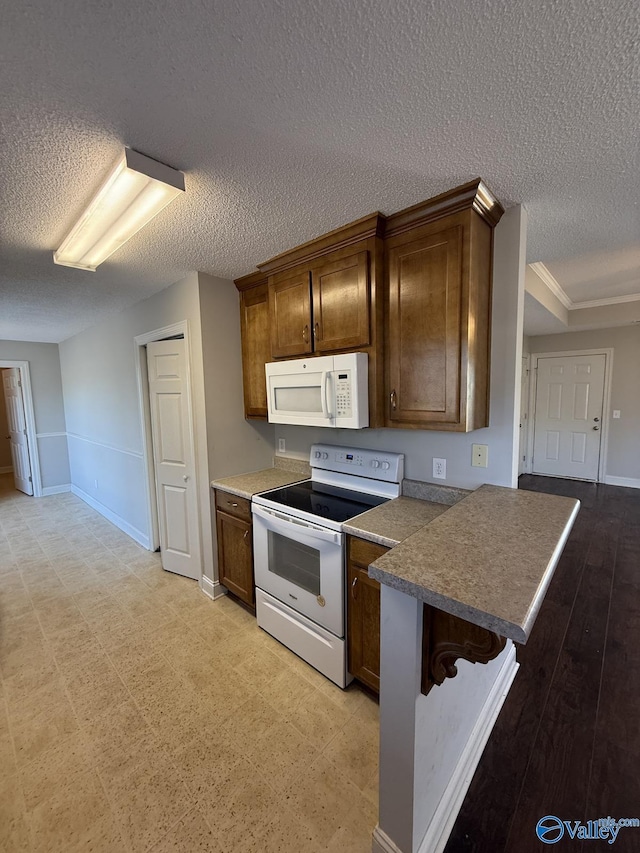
(248, 485)
(392, 522)
(488, 559)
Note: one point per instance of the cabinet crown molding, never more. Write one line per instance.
(369, 226)
(475, 195)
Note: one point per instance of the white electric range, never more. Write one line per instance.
(299, 554)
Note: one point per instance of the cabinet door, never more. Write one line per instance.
(290, 315)
(235, 556)
(425, 302)
(363, 613)
(256, 349)
(341, 303)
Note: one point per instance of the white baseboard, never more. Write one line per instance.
(445, 815)
(7, 470)
(212, 589)
(55, 490)
(381, 842)
(111, 516)
(630, 482)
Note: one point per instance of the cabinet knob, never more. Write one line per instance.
(317, 331)
(393, 399)
(245, 534)
(305, 334)
(353, 587)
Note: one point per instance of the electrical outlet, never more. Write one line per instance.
(439, 468)
(479, 455)
(96, 482)
(282, 446)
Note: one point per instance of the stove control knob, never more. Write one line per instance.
(325, 455)
(386, 466)
(375, 464)
(317, 454)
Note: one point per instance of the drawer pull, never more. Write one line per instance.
(231, 503)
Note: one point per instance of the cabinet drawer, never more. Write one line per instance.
(233, 505)
(363, 552)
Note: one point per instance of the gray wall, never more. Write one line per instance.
(623, 458)
(48, 407)
(420, 446)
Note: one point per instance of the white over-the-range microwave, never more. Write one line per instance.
(328, 391)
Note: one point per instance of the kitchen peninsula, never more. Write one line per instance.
(455, 593)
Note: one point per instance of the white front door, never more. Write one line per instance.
(173, 456)
(568, 419)
(17, 429)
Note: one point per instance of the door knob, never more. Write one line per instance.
(596, 428)
(185, 477)
(596, 419)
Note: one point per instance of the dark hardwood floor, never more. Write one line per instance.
(567, 741)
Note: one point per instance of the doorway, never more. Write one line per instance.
(16, 386)
(570, 401)
(164, 386)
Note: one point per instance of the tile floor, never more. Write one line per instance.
(136, 714)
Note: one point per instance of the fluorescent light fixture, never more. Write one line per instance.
(135, 191)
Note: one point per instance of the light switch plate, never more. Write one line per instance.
(616, 413)
(479, 455)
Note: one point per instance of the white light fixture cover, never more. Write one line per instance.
(135, 191)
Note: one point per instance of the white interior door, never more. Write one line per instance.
(524, 415)
(173, 456)
(17, 430)
(568, 419)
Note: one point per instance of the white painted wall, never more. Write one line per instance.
(623, 458)
(420, 446)
(46, 389)
(103, 411)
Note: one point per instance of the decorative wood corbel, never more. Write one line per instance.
(446, 638)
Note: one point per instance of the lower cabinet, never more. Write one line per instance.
(235, 545)
(363, 612)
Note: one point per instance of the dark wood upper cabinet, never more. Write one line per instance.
(290, 314)
(341, 315)
(412, 290)
(438, 329)
(256, 342)
(425, 329)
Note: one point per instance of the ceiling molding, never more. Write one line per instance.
(612, 300)
(547, 277)
(543, 273)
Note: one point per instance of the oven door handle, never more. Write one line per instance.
(289, 528)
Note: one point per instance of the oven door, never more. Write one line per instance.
(301, 564)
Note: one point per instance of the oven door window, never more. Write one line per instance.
(297, 563)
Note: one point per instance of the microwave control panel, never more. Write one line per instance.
(343, 393)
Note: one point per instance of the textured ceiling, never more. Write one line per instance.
(292, 118)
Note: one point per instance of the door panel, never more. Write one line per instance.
(17, 424)
(425, 297)
(173, 455)
(341, 304)
(568, 421)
